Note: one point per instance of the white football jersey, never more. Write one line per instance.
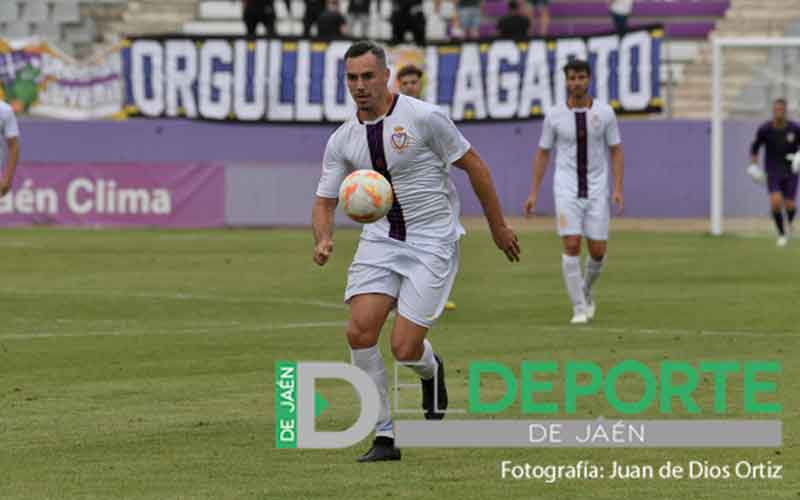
(581, 138)
(8, 122)
(412, 146)
(8, 127)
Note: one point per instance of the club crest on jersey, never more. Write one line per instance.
(790, 137)
(400, 139)
(596, 121)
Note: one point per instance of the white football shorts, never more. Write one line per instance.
(587, 217)
(419, 279)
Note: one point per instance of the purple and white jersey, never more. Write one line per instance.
(581, 138)
(8, 122)
(8, 127)
(412, 146)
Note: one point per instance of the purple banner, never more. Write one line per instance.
(163, 195)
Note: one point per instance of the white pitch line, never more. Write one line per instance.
(182, 331)
(658, 331)
(176, 296)
(646, 331)
(19, 244)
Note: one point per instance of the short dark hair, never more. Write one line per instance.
(409, 69)
(578, 66)
(512, 4)
(362, 47)
(780, 100)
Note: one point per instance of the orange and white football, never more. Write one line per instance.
(366, 196)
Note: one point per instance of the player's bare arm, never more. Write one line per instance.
(540, 162)
(322, 221)
(11, 166)
(618, 169)
(481, 180)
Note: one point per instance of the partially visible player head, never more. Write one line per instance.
(367, 75)
(409, 79)
(579, 76)
(779, 111)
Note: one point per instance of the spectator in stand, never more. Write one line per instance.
(331, 24)
(358, 18)
(515, 24)
(469, 17)
(313, 9)
(407, 15)
(620, 11)
(540, 6)
(255, 12)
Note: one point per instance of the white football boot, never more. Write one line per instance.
(579, 317)
(590, 305)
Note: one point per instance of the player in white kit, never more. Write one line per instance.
(408, 259)
(10, 132)
(584, 133)
(409, 80)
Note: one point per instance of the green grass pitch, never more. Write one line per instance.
(139, 364)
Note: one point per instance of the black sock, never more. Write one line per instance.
(384, 441)
(790, 214)
(778, 216)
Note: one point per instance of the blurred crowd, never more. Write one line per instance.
(466, 19)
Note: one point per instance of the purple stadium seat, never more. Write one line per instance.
(642, 8)
(495, 8)
(682, 18)
(715, 8)
(675, 29)
(564, 15)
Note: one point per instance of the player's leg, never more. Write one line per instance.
(427, 282)
(594, 266)
(789, 200)
(596, 222)
(569, 216)
(573, 278)
(372, 288)
(368, 312)
(791, 211)
(409, 345)
(776, 207)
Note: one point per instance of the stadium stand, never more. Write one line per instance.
(687, 22)
(692, 99)
(72, 25)
(225, 17)
(775, 79)
(683, 18)
(77, 25)
(144, 17)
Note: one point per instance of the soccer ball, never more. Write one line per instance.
(366, 196)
